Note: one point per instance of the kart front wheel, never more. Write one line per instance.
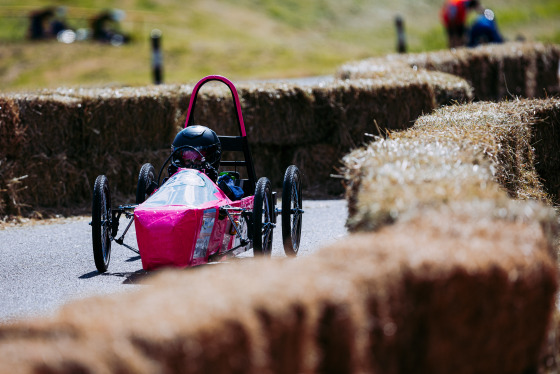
(291, 210)
(146, 180)
(101, 223)
(263, 225)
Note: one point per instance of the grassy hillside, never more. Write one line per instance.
(242, 39)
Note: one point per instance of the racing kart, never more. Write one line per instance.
(188, 219)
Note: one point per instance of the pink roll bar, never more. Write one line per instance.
(234, 95)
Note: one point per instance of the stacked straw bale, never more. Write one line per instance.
(70, 136)
(495, 71)
(11, 140)
(456, 154)
(463, 280)
(66, 137)
(453, 294)
(467, 161)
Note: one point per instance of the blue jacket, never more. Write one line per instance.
(484, 30)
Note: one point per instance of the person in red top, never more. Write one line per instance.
(454, 16)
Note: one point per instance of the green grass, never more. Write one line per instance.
(242, 39)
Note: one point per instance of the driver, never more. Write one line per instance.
(196, 147)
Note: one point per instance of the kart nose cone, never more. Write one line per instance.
(166, 236)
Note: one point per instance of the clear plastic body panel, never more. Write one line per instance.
(186, 187)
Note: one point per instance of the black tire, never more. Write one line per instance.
(291, 210)
(101, 223)
(145, 179)
(263, 226)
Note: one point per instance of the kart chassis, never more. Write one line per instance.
(259, 221)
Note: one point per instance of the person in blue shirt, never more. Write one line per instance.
(484, 30)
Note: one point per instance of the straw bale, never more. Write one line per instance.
(466, 161)
(285, 114)
(455, 294)
(546, 144)
(90, 131)
(285, 122)
(550, 354)
(495, 71)
(274, 113)
(231, 324)
(69, 132)
(77, 133)
(131, 120)
(317, 162)
(281, 114)
(447, 88)
(11, 130)
(441, 316)
(459, 153)
(11, 141)
(366, 106)
(515, 135)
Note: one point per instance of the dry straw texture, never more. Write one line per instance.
(475, 152)
(58, 141)
(451, 295)
(494, 71)
(462, 281)
(466, 161)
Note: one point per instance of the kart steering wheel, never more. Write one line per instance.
(202, 160)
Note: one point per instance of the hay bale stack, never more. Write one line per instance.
(288, 115)
(459, 153)
(550, 356)
(420, 296)
(113, 131)
(546, 144)
(70, 136)
(314, 126)
(469, 161)
(447, 88)
(495, 71)
(11, 140)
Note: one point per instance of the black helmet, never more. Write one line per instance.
(204, 140)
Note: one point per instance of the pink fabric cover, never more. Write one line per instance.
(167, 236)
(184, 235)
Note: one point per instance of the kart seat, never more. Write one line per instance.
(239, 145)
(232, 185)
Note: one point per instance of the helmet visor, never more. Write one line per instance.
(190, 157)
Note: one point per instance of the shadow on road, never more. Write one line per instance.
(89, 275)
(142, 276)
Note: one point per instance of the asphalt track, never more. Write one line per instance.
(43, 266)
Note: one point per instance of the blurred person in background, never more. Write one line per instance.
(454, 16)
(47, 23)
(58, 23)
(106, 27)
(484, 30)
(38, 23)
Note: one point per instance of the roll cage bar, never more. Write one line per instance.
(229, 143)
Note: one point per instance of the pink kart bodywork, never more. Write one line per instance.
(180, 224)
(191, 218)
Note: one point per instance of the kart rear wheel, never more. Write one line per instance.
(263, 225)
(291, 210)
(144, 188)
(101, 223)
